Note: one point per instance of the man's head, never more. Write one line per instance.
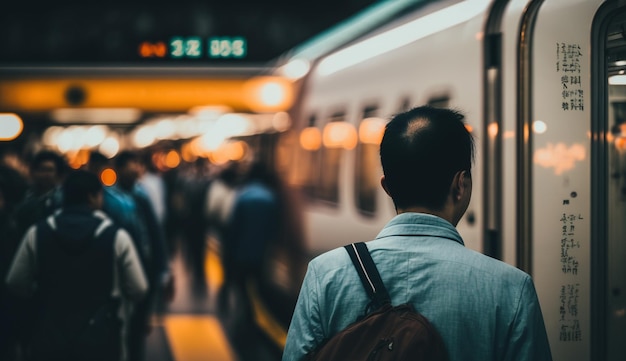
(426, 155)
(46, 170)
(128, 167)
(82, 188)
(97, 162)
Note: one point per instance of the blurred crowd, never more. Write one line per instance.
(244, 205)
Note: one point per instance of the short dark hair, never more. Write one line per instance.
(421, 151)
(48, 155)
(97, 161)
(125, 157)
(78, 186)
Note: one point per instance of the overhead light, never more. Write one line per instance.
(617, 80)
(11, 126)
(96, 115)
(402, 35)
(210, 111)
(295, 69)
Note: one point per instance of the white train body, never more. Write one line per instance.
(544, 198)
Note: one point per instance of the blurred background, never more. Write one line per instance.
(191, 87)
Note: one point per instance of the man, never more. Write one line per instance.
(253, 226)
(47, 169)
(149, 236)
(483, 308)
(80, 267)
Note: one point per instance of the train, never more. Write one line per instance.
(542, 86)
(541, 83)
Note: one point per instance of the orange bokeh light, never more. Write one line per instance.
(311, 138)
(108, 177)
(172, 159)
(339, 135)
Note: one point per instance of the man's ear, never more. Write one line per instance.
(383, 183)
(459, 185)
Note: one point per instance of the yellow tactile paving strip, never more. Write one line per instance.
(197, 338)
(194, 337)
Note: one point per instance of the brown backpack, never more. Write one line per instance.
(388, 333)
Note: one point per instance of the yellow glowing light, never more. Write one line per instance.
(11, 126)
(610, 137)
(235, 150)
(272, 94)
(310, 139)
(469, 128)
(158, 159)
(281, 121)
(492, 130)
(72, 160)
(108, 177)
(620, 143)
(268, 93)
(559, 156)
(187, 152)
(154, 95)
(371, 130)
(339, 135)
(172, 159)
(218, 157)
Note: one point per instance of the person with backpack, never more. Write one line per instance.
(482, 308)
(83, 272)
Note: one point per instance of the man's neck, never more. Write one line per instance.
(442, 213)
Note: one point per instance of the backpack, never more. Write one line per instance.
(91, 329)
(388, 333)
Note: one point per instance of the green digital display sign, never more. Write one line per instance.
(222, 47)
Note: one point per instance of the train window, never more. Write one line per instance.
(328, 186)
(306, 165)
(368, 172)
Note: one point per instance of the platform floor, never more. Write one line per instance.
(190, 328)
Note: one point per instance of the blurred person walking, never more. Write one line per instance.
(10, 185)
(193, 184)
(43, 196)
(80, 267)
(254, 225)
(151, 181)
(149, 238)
(46, 171)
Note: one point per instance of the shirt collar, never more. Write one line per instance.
(420, 224)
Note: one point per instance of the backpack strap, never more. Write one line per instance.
(368, 273)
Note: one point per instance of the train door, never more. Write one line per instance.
(609, 39)
(569, 218)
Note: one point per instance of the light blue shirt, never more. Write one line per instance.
(483, 308)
